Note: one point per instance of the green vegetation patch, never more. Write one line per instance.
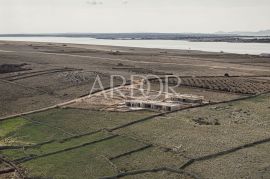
(32, 133)
(20, 131)
(158, 175)
(149, 158)
(52, 146)
(9, 126)
(252, 162)
(210, 129)
(62, 145)
(78, 163)
(13, 154)
(90, 161)
(61, 123)
(78, 121)
(39, 133)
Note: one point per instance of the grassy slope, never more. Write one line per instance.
(57, 124)
(240, 122)
(85, 162)
(79, 121)
(61, 123)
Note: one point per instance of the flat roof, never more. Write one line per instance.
(187, 96)
(154, 103)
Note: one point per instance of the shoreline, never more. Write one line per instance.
(165, 45)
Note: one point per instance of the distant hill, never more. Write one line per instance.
(259, 33)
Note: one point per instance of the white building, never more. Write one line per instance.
(155, 105)
(187, 99)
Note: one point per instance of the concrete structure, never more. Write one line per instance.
(187, 99)
(155, 105)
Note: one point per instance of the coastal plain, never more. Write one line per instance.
(227, 138)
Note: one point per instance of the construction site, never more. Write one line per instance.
(134, 97)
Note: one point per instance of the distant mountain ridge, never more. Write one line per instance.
(246, 33)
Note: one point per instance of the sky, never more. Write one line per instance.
(116, 16)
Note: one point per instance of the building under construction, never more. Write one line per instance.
(173, 103)
(155, 105)
(186, 98)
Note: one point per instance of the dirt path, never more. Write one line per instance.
(60, 104)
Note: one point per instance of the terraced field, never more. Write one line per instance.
(73, 143)
(241, 85)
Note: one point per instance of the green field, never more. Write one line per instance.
(80, 143)
(78, 121)
(89, 159)
(53, 141)
(213, 128)
(61, 123)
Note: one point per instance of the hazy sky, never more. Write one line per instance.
(48, 16)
